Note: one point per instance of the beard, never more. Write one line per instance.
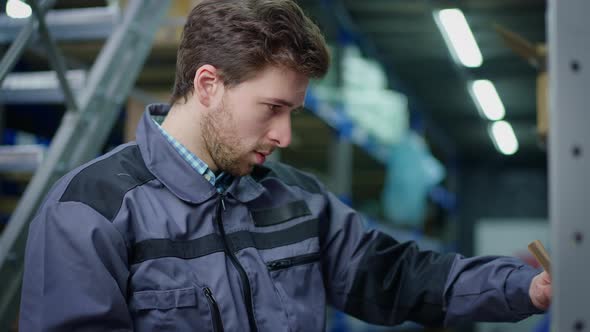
(225, 149)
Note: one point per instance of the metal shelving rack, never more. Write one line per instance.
(569, 143)
(84, 127)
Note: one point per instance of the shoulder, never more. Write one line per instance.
(102, 183)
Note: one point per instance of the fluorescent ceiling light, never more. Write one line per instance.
(487, 99)
(458, 37)
(504, 138)
(17, 9)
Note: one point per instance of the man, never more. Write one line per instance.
(186, 229)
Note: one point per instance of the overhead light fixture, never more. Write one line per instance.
(487, 99)
(458, 36)
(503, 137)
(17, 9)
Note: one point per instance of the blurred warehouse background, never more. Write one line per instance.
(431, 121)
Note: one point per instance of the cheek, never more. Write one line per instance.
(251, 129)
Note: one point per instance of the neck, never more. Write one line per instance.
(183, 122)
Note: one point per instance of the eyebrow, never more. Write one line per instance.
(280, 102)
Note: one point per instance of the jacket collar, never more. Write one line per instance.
(174, 172)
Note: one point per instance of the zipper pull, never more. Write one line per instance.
(223, 202)
(209, 295)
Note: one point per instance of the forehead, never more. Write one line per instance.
(276, 82)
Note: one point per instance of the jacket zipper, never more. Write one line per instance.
(238, 266)
(292, 261)
(217, 324)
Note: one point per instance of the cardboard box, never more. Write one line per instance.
(536, 55)
(542, 105)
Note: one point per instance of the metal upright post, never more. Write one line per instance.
(569, 162)
(113, 74)
(55, 58)
(20, 43)
(81, 133)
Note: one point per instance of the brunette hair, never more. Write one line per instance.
(242, 37)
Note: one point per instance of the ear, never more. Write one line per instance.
(207, 85)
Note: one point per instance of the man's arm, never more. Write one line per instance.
(489, 288)
(75, 275)
(373, 277)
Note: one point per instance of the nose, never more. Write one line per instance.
(280, 131)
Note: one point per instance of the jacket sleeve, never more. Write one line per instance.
(75, 273)
(371, 276)
(489, 288)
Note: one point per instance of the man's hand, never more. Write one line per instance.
(540, 291)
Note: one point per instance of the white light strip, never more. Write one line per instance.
(18, 9)
(42, 80)
(487, 99)
(85, 24)
(503, 137)
(458, 36)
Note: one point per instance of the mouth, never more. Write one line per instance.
(261, 157)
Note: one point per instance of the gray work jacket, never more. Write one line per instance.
(136, 240)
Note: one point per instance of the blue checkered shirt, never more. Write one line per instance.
(220, 182)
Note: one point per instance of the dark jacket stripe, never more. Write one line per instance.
(300, 232)
(277, 215)
(159, 248)
(212, 243)
(103, 184)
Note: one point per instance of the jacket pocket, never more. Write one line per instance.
(299, 285)
(216, 315)
(183, 309)
(285, 263)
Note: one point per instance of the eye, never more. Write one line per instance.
(274, 108)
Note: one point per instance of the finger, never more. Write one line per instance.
(548, 292)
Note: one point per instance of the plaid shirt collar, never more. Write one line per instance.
(221, 182)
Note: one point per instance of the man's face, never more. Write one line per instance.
(253, 119)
